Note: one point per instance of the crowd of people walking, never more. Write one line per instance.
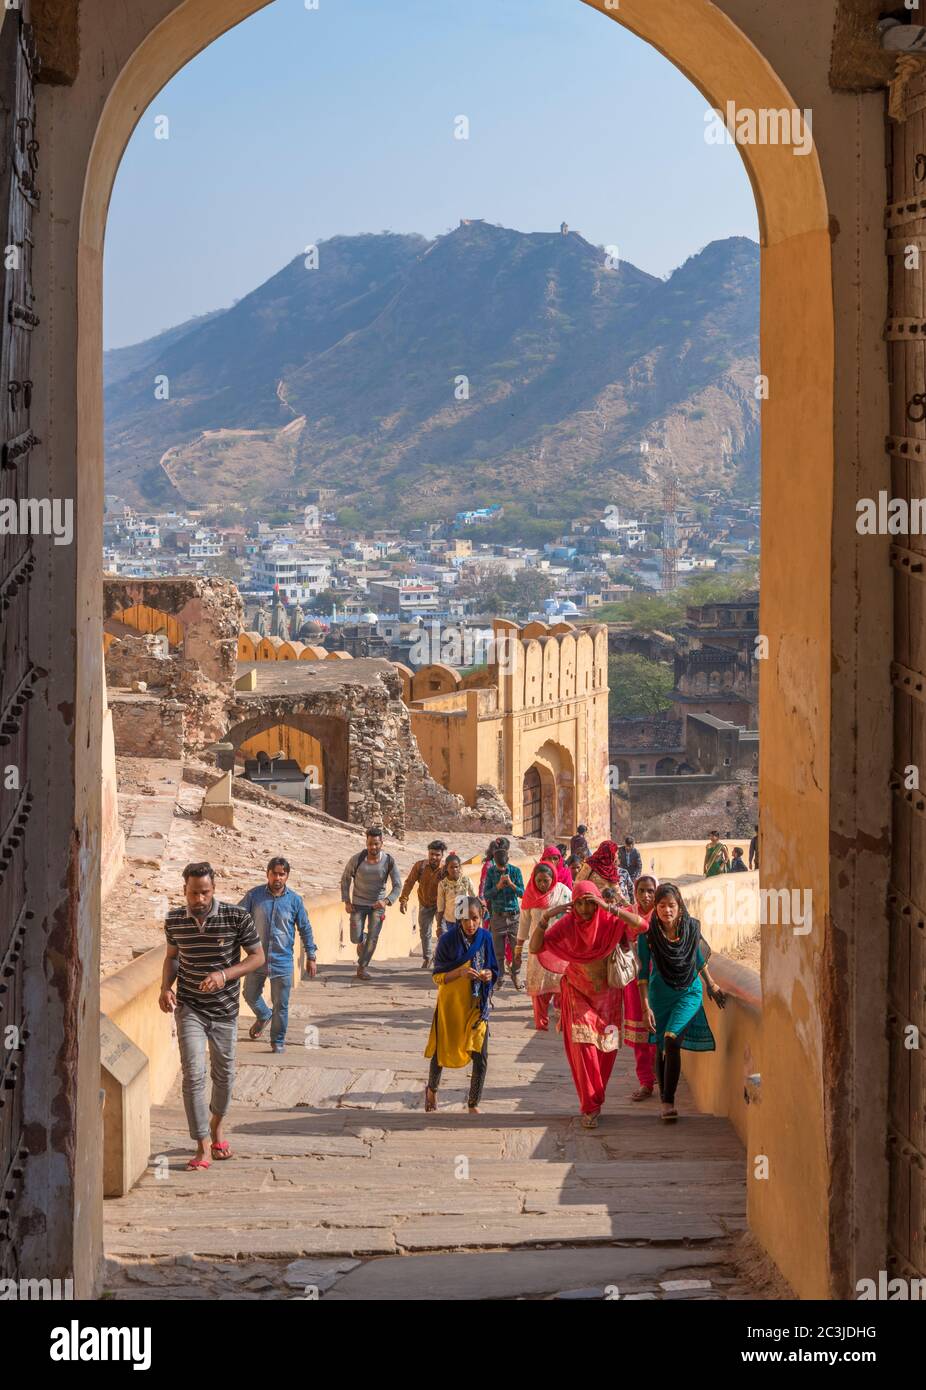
(613, 957)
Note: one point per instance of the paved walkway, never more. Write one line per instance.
(341, 1177)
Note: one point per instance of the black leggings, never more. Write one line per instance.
(477, 1081)
(668, 1068)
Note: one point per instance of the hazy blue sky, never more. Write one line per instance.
(301, 124)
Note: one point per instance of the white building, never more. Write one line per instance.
(299, 578)
(204, 546)
(630, 534)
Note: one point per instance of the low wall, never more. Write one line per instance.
(727, 906)
(718, 1080)
(146, 726)
(129, 998)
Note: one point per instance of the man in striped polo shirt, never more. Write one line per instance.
(204, 944)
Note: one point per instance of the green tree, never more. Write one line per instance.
(638, 688)
(325, 601)
(506, 595)
(651, 612)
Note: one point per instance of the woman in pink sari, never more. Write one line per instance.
(577, 947)
(636, 1031)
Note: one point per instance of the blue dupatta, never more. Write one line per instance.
(455, 948)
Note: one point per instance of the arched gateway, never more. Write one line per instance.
(824, 782)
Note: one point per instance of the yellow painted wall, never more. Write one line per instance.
(824, 789)
(548, 703)
(146, 619)
(292, 743)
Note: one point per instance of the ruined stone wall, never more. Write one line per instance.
(209, 611)
(146, 726)
(687, 808)
(130, 659)
(178, 680)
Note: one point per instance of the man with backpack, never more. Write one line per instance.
(427, 873)
(363, 885)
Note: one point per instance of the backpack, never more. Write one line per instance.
(359, 858)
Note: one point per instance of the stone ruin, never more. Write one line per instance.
(178, 703)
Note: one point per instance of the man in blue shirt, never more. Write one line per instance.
(278, 913)
(503, 890)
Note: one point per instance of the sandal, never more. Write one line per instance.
(429, 1103)
(644, 1093)
(590, 1121)
(670, 1116)
(221, 1152)
(195, 1163)
(258, 1028)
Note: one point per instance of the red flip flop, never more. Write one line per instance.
(195, 1163)
(221, 1152)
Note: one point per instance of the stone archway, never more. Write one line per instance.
(556, 770)
(299, 745)
(333, 736)
(824, 792)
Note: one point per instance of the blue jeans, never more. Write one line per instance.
(280, 986)
(366, 923)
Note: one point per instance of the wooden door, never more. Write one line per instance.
(906, 444)
(532, 804)
(19, 678)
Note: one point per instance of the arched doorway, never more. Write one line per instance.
(532, 804)
(802, 753)
(296, 745)
(552, 784)
(319, 742)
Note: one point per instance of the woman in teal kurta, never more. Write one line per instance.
(671, 965)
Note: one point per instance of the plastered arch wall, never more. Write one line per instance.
(533, 673)
(567, 667)
(436, 679)
(550, 669)
(134, 51)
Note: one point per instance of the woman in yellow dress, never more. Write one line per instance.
(465, 972)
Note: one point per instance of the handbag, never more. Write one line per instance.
(622, 965)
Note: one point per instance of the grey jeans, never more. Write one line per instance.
(504, 927)
(196, 1032)
(426, 917)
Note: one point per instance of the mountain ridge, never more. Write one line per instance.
(570, 365)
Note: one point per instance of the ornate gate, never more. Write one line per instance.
(18, 677)
(906, 337)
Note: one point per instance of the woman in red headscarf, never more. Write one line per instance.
(552, 855)
(542, 892)
(636, 1029)
(577, 947)
(602, 868)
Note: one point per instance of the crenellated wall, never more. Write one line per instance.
(539, 707)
